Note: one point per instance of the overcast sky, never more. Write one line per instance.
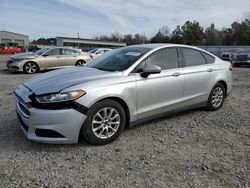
(50, 18)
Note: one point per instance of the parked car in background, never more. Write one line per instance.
(47, 58)
(33, 48)
(242, 59)
(230, 54)
(123, 87)
(98, 51)
(10, 50)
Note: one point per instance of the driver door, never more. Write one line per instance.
(161, 92)
(52, 58)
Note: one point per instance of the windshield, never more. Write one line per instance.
(119, 59)
(93, 50)
(41, 51)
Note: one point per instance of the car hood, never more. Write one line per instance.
(27, 55)
(55, 81)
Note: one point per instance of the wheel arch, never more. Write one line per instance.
(224, 84)
(81, 60)
(124, 105)
(32, 62)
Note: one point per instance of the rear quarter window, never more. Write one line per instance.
(209, 58)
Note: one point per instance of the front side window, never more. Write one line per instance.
(53, 52)
(119, 59)
(193, 57)
(166, 58)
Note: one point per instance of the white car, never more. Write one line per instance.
(98, 51)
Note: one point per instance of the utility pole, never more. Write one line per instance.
(78, 36)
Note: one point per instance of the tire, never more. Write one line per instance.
(97, 130)
(30, 67)
(216, 97)
(80, 63)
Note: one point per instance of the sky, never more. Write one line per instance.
(51, 18)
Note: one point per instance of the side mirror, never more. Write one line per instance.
(150, 69)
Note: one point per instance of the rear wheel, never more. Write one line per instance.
(80, 63)
(30, 68)
(216, 97)
(105, 122)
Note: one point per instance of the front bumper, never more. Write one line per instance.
(50, 126)
(14, 67)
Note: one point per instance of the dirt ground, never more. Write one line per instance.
(191, 149)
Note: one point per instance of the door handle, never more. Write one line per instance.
(210, 70)
(176, 74)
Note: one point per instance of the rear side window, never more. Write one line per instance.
(209, 58)
(166, 58)
(68, 52)
(193, 57)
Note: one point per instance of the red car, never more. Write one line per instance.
(10, 50)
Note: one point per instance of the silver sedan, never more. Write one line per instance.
(121, 88)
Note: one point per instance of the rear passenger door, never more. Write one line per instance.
(161, 92)
(198, 75)
(68, 57)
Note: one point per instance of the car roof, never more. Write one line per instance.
(160, 45)
(156, 46)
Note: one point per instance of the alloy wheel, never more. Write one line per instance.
(30, 67)
(217, 97)
(106, 123)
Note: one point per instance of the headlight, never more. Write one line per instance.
(60, 97)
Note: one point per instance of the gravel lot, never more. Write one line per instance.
(191, 149)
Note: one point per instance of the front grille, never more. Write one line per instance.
(23, 108)
(26, 128)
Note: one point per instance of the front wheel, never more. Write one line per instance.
(30, 68)
(106, 120)
(216, 97)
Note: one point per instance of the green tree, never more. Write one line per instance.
(176, 36)
(192, 33)
(212, 36)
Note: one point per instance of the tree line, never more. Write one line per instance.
(191, 33)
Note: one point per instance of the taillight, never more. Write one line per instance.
(231, 68)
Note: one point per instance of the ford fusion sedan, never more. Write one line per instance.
(47, 58)
(119, 89)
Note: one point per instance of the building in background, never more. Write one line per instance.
(13, 39)
(87, 44)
